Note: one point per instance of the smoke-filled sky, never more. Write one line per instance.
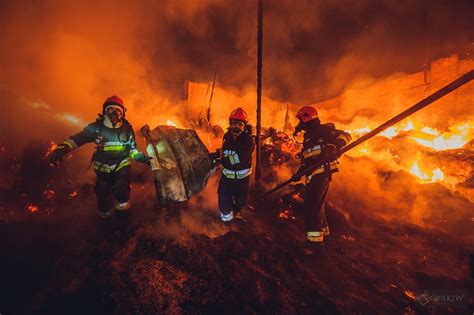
(312, 49)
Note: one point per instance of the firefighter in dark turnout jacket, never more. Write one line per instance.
(236, 159)
(115, 147)
(319, 140)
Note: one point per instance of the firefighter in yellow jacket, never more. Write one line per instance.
(115, 147)
(319, 140)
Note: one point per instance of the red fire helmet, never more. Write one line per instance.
(239, 114)
(114, 100)
(307, 113)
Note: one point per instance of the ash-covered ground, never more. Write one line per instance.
(61, 258)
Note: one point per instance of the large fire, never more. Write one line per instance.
(428, 139)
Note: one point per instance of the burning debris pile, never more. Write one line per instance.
(424, 151)
(277, 147)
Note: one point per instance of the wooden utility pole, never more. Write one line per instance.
(208, 116)
(258, 171)
(425, 45)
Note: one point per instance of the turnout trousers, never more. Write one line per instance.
(314, 207)
(232, 195)
(110, 186)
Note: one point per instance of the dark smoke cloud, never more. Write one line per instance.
(72, 53)
(312, 49)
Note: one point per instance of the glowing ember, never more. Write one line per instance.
(296, 197)
(410, 294)
(32, 208)
(72, 195)
(425, 177)
(285, 215)
(52, 146)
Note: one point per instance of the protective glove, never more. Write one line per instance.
(57, 155)
(215, 157)
(330, 150)
(142, 158)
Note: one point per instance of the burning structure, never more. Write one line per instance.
(400, 209)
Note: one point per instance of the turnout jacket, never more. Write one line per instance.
(316, 140)
(114, 146)
(236, 155)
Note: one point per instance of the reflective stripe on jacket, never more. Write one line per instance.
(114, 146)
(316, 138)
(315, 236)
(314, 152)
(106, 168)
(236, 174)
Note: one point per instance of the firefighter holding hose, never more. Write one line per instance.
(320, 140)
(114, 138)
(236, 158)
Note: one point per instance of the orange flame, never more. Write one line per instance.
(169, 122)
(435, 175)
(456, 138)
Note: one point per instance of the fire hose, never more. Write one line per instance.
(408, 112)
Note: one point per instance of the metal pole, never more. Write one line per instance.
(258, 171)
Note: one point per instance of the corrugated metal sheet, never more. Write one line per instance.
(182, 167)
